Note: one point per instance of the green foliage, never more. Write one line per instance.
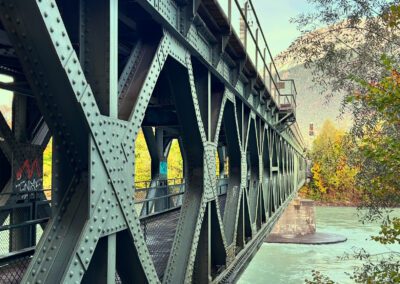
(355, 36)
(378, 144)
(390, 233)
(378, 154)
(392, 16)
(318, 278)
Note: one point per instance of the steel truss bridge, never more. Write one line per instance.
(91, 74)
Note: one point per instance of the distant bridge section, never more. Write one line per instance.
(92, 74)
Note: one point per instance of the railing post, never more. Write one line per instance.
(245, 26)
(230, 12)
(265, 67)
(256, 50)
(270, 80)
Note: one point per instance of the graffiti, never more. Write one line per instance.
(29, 169)
(28, 178)
(163, 168)
(27, 186)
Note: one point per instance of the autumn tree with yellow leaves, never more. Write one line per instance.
(333, 177)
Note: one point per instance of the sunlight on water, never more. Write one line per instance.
(291, 264)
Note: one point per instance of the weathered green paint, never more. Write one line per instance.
(100, 75)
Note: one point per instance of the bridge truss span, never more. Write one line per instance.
(93, 74)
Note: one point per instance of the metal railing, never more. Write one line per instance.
(283, 91)
(13, 264)
(147, 183)
(169, 201)
(28, 208)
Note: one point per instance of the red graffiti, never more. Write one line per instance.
(26, 166)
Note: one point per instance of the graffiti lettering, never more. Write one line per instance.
(32, 185)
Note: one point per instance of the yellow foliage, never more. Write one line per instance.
(318, 181)
(332, 173)
(142, 162)
(142, 159)
(47, 164)
(175, 162)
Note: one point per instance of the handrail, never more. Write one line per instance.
(144, 201)
(158, 197)
(24, 224)
(291, 98)
(147, 183)
(25, 192)
(261, 54)
(16, 255)
(268, 49)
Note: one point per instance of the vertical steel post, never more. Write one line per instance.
(111, 258)
(256, 49)
(113, 59)
(245, 25)
(264, 68)
(270, 81)
(99, 51)
(209, 240)
(24, 236)
(230, 11)
(209, 122)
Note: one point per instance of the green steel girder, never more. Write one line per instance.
(168, 14)
(200, 196)
(95, 232)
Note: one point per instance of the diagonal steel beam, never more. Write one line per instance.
(64, 69)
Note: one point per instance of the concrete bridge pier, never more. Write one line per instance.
(298, 225)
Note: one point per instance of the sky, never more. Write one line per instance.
(274, 16)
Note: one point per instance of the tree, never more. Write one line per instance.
(379, 142)
(142, 159)
(345, 37)
(333, 177)
(345, 58)
(378, 157)
(343, 40)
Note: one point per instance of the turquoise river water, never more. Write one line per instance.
(292, 264)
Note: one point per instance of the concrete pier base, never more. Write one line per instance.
(298, 226)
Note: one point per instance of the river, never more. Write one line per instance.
(292, 264)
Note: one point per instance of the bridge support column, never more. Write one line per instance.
(22, 237)
(159, 148)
